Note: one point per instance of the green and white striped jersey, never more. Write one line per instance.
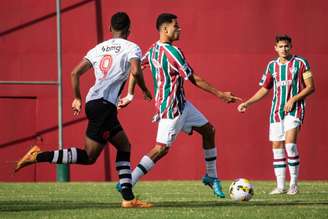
(169, 69)
(287, 81)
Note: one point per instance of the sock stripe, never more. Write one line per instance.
(118, 168)
(74, 155)
(60, 156)
(122, 176)
(142, 168)
(65, 156)
(55, 158)
(294, 158)
(277, 160)
(210, 158)
(279, 165)
(293, 164)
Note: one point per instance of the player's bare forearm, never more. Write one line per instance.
(80, 69)
(132, 84)
(262, 92)
(308, 90)
(204, 85)
(136, 72)
(227, 97)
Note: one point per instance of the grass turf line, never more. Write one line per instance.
(172, 199)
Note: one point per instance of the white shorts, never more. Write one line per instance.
(278, 129)
(168, 129)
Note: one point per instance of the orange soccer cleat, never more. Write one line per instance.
(135, 203)
(29, 158)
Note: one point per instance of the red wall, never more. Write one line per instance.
(227, 42)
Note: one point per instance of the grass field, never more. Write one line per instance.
(172, 199)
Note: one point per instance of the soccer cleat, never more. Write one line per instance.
(118, 187)
(293, 190)
(28, 159)
(135, 203)
(277, 191)
(215, 184)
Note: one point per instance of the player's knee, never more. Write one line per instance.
(210, 131)
(277, 145)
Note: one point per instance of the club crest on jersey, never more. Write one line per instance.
(293, 70)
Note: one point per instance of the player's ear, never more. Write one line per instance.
(164, 28)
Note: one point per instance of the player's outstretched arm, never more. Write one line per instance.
(227, 97)
(136, 78)
(80, 69)
(262, 92)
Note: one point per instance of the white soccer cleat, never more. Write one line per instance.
(293, 190)
(277, 191)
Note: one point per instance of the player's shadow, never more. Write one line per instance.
(21, 206)
(55, 205)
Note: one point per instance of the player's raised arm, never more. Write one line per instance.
(80, 69)
(227, 97)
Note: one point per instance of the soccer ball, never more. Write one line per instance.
(241, 190)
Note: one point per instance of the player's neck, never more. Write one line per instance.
(119, 35)
(284, 60)
(164, 39)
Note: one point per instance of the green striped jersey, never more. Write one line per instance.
(169, 69)
(286, 81)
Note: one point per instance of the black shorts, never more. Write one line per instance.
(103, 122)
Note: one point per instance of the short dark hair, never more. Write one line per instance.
(120, 21)
(164, 18)
(284, 37)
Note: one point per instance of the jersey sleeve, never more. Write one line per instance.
(267, 79)
(184, 69)
(135, 52)
(91, 55)
(145, 60)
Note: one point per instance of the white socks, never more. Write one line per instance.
(293, 162)
(210, 160)
(279, 166)
(143, 167)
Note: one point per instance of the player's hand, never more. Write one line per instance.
(123, 102)
(228, 97)
(242, 107)
(147, 95)
(289, 105)
(76, 106)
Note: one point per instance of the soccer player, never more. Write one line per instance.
(112, 61)
(291, 79)
(169, 69)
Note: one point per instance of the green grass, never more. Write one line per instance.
(172, 199)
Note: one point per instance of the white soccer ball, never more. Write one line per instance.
(241, 190)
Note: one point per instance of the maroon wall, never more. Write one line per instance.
(227, 42)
